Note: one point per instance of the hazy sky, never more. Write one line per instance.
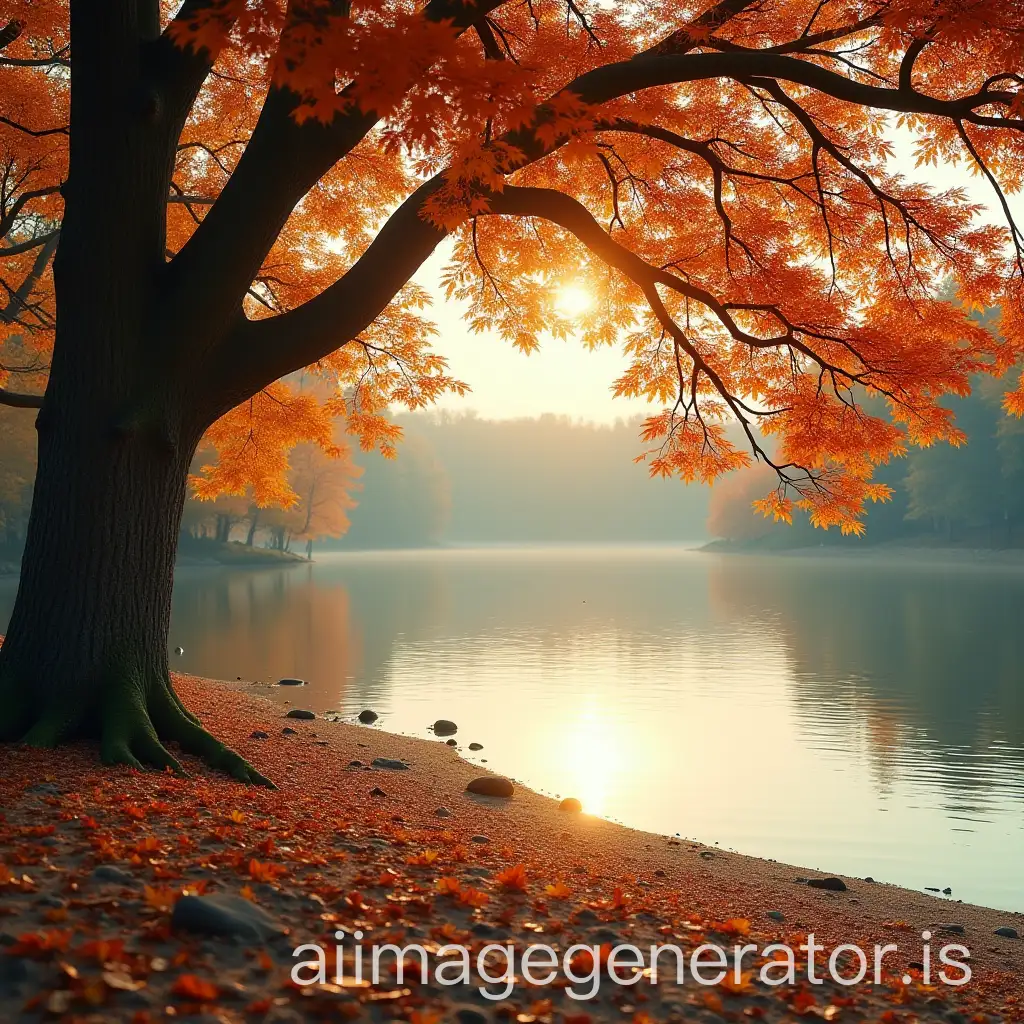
(565, 378)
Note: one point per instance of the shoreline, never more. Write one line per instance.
(327, 846)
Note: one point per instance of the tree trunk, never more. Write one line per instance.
(86, 649)
(252, 527)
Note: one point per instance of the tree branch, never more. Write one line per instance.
(20, 401)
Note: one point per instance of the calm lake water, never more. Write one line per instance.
(840, 714)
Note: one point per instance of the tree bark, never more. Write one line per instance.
(86, 649)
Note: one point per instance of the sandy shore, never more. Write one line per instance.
(94, 861)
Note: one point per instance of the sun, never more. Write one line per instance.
(573, 300)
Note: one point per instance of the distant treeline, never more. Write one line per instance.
(463, 479)
(970, 496)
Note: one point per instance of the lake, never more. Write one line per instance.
(843, 714)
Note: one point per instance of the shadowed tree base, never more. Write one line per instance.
(132, 719)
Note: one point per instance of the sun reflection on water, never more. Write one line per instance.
(591, 758)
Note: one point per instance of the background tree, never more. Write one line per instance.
(236, 189)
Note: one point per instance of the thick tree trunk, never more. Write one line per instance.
(125, 405)
(86, 649)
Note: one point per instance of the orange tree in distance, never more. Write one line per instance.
(200, 200)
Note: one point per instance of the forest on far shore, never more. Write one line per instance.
(464, 479)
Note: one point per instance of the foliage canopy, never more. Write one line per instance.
(719, 177)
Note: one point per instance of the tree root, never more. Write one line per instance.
(132, 723)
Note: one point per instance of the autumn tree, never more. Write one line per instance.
(198, 201)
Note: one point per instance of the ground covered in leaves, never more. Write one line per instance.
(93, 862)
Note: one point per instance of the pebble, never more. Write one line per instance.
(707, 854)
(951, 929)
(291, 682)
(491, 785)
(659, 873)
(259, 734)
(443, 812)
(289, 731)
(479, 839)
(109, 873)
(479, 872)
(830, 884)
(869, 879)
(224, 914)
(469, 1015)
(377, 791)
(570, 803)
(776, 915)
(452, 743)
(43, 788)
(391, 763)
(1007, 932)
(301, 713)
(476, 746)
(368, 717)
(355, 764)
(442, 727)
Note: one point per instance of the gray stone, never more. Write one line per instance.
(451, 743)
(377, 791)
(479, 872)
(391, 763)
(479, 839)
(443, 812)
(289, 731)
(951, 929)
(829, 884)
(16, 972)
(776, 915)
(113, 875)
(301, 713)
(469, 1015)
(291, 682)
(442, 727)
(368, 717)
(1007, 932)
(259, 734)
(476, 746)
(224, 914)
(491, 785)
(43, 789)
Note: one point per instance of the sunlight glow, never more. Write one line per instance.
(592, 758)
(573, 300)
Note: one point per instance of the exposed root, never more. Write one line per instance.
(133, 722)
(194, 739)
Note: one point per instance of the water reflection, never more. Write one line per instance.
(858, 717)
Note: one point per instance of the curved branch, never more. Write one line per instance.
(20, 401)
